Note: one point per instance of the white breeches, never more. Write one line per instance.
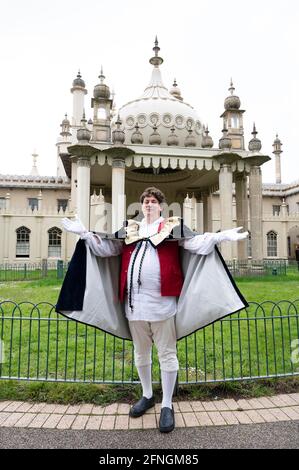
(163, 335)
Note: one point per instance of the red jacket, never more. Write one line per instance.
(170, 268)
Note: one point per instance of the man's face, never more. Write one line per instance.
(151, 207)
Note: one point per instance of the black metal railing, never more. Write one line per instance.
(26, 271)
(39, 344)
(57, 269)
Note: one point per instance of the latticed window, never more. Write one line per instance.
(276, 210)
(62, 203)
(33, 203)
(23, 242)
(272, 243)
(2, 203)
(54, 246)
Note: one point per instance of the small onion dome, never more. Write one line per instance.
(83, 134)
(207, 141)
(137, 137)
(78, 81)
(232, 101)
(225, 141)
(65, 122)
(254, 144)
(190, 140)
(277, 144)
(90, 122)
(155, 138)
(101, 90)
(175, 91)
(118, 135)
(65, 126)
(172, 139)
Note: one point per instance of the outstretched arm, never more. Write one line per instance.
(100, 247)
(204, 244)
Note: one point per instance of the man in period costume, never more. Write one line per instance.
(171, 283)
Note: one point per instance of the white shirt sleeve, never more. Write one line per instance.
(204, 244)
(200, 244)
(102, 247)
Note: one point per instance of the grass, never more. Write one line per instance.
(66, 350)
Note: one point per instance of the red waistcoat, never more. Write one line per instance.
(170, 268)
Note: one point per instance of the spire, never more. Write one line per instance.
(65, 126)
(101, 90)
(277, 152)
(156, 60)
(118, 135)
(232, 102)
(78, 81)
(255, 144)
(207, 141)
(102, 76)
(34, 170)
(231, 88)
(175, 91)
(83, 134)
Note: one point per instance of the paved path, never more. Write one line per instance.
(193, 418)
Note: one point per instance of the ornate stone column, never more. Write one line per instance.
(118, 193)
(207, 211)
(255, 202)
(83, 190)
(242, 212)
(187, 211)
(226, 206)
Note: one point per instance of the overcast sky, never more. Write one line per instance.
(203, 44)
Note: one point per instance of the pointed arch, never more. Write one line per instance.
(272, 243)
(54, 242)
(23, 242)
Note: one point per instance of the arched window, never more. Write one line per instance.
(272, 243)
(54, 245)
(23, 242)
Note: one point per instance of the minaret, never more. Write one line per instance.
(34, 170)
(233, 119)
(62, 144)
(79, 91)
(102, 105)
(277, 151)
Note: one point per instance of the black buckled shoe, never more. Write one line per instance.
(141, 407)
(166, 423)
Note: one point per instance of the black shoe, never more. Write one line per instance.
(141, 406)
(166, 423)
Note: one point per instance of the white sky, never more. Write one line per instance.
(203, 44)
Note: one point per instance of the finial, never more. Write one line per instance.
(156, 60)
(101, 76)
(254, 132)
(83, 120)
(231, 88)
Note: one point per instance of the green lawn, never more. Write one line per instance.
(256, 342)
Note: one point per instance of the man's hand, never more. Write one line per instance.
(74, 226)
(233, 235)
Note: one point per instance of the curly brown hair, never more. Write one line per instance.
(152, 191)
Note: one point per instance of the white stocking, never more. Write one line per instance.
(145, 375)
(168, 383)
